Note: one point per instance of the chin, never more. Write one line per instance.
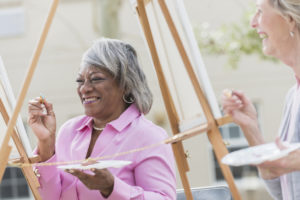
(267, 51)
(89, 113)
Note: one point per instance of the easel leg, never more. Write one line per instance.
(214, 134)
(182, 171)
(5, 152)
(28, 172)
(177, 148)
(32, 182)
(220, 150)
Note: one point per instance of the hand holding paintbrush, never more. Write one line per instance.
(243, 113)
(43, 123)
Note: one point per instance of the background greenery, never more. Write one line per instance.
(232, 40)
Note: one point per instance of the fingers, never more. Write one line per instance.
(86, 179)
(38, 107)
(233, 96)
(107, 180)
(83, 177)
(231, 101)
(239, 94)
(101, 179)
(100, 172)
(35, 104)
(80, 174)
(268, 172)
(49, 107)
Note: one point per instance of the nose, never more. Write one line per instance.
(86, 87)
(253, 21)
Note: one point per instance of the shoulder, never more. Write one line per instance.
(75, 122)
(150, 135)
(147, 131)
(72, 125)
(290, 94)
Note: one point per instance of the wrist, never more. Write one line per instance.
(250, 123)
(46, 149)
(295, 160)
(107, 191)
(263, 173)
(252, 134)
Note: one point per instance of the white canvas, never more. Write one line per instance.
(179, 83)
(8, 99)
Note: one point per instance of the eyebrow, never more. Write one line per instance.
(91, 73)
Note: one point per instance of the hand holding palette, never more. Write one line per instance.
(258, 154)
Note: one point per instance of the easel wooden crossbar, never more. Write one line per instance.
(213, 132)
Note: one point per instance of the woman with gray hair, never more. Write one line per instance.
(115, 96)
(278, 24)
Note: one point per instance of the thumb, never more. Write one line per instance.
(281, 145)
(241, 96)
(49, 107)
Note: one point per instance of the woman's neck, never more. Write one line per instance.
(101, 122)
(292, 56)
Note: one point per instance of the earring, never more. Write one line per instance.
(130, 101)
(292, 34)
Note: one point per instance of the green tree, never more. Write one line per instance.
(232, 40)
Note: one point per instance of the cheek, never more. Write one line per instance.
(78, 92)
(264, 23)
(114, 94)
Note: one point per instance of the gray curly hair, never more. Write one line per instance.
(120, 60)
(289, 8)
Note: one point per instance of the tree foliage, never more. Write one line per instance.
(232, 40)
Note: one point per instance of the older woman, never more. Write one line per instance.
(278, 24)
(115, 97)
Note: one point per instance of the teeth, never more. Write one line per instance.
(90, 99)
(263, 36)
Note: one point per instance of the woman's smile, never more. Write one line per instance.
(90, 100)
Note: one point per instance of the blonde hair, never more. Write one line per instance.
(289, 8)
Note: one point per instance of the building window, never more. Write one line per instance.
(12, 19)
(14, 185)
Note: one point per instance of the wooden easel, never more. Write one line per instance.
(212, 124)
(10, 132)
(27, 171)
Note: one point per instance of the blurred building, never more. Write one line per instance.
(77, 23)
